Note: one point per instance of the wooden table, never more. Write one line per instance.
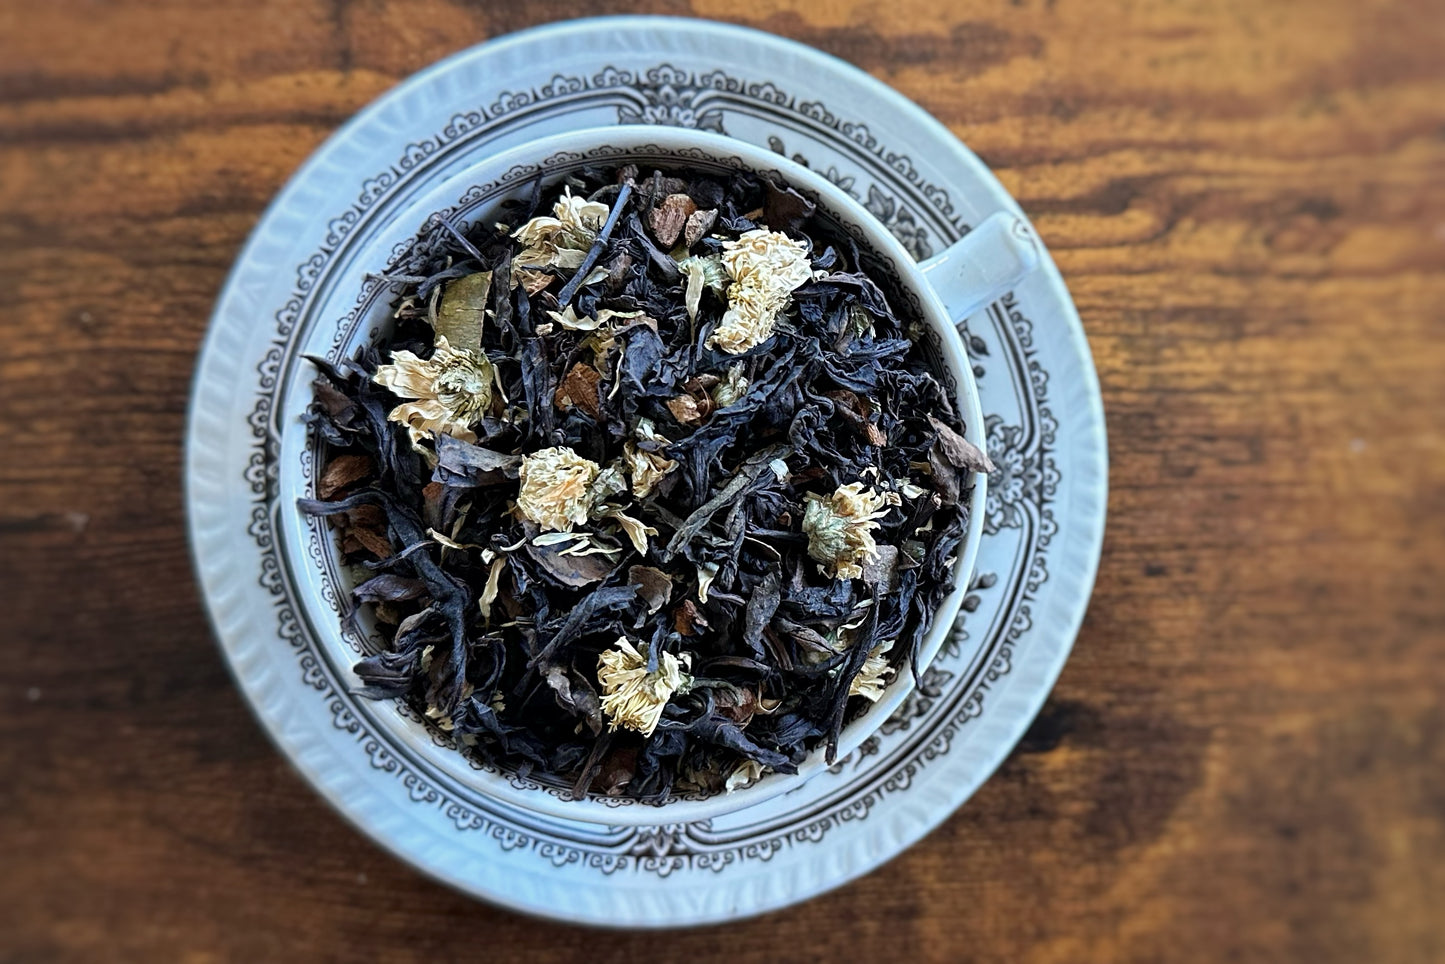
(1245, 758)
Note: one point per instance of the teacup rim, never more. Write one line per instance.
(636, 140)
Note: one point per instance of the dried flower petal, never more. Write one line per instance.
(874, 674)
(609, 482)
(747, 773)
(706, 573)
(555, 489)
(568, 318)
(452, 389)
(493, 587)
(696, 278)
(631, 696)
(840, 528)
(531, 279)
(637, 530)
(560, 241)
(451, 543)
(647, 468)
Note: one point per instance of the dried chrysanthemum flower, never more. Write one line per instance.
(631, 696)
(647, 468)
(560, 241)
(766, 266)
(840, 528)
(556, 488)
(766, 259)
(451, 390)
(874, 674)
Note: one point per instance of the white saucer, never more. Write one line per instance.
(1043, 530)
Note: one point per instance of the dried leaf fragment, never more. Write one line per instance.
(686, 619)
(668, 218)
(684, 409)
(960, 451)
(576, 696)
(462, 311)
(578, 389)
(342, 471)
(571, 569)
(784, 209)
(653, 585)
(699, 223)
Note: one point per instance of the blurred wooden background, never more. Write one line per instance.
(1245, 758)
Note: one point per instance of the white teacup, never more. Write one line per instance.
(944, 291)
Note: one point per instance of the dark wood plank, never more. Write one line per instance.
(1244, 758)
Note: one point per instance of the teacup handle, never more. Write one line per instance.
(983, 265)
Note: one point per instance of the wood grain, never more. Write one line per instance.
(1245, 758)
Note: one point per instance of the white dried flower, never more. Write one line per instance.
(767, 259)
(733, 387)
(749, 320)
(451, 390)
(766, 266)
(579, 214)
(555, 491)
(631, 696)
(647, 468)
(874, 674)
(840, 528)
(562, 240)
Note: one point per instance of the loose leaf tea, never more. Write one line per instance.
(651, 485)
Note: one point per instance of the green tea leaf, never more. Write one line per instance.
(463, 309)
